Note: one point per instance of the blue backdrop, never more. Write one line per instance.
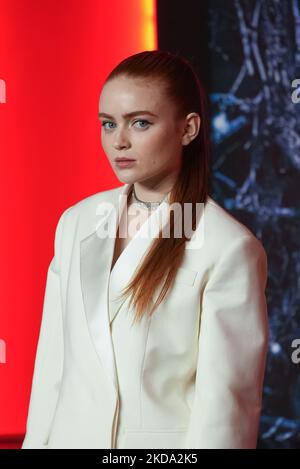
(254, 50)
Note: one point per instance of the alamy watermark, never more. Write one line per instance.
(131, 221)
(295, 96)
(2, 91)
(296, 353)
(2, 351)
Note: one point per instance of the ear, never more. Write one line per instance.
(192, 127)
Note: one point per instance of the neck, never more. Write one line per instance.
(153, 194)
(145, 204)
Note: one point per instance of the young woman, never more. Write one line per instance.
(154, 330)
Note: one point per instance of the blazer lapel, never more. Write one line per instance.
(96, 254)
(95, 260)
(132, 256)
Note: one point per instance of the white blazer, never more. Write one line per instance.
(189, 377)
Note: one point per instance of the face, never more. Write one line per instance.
(153, 139)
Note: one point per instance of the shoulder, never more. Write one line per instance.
(82, 214)
(90, 202)
(230, 251)
(219, 217)
(224, 234)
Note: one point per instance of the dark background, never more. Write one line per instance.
(247, 53)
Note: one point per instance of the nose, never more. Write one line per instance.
(121, 140)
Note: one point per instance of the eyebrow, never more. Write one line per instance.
(129, 114)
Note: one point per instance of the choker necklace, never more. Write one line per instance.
(148, 205)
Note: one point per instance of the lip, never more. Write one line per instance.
(123, 158)
(124, 163)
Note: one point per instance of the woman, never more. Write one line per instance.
(151, 343)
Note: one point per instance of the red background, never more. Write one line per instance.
(54, 57)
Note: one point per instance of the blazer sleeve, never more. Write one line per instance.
(233, 342)
(49, 355)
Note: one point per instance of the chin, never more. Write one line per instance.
(126, 178)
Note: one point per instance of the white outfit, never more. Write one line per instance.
(189, 377)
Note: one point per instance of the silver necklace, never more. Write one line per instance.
(143, 204)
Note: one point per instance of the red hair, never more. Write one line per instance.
(184, 88)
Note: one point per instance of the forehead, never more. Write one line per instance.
(125, 94)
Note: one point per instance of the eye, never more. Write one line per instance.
(106, 122)
(144, 121)
(145, 124)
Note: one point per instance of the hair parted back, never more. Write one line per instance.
(165, 255)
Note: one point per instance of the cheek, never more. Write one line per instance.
(163, 149)
(152, 145)
(151, 152)
(106, 144)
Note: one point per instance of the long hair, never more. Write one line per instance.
(165, 255)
